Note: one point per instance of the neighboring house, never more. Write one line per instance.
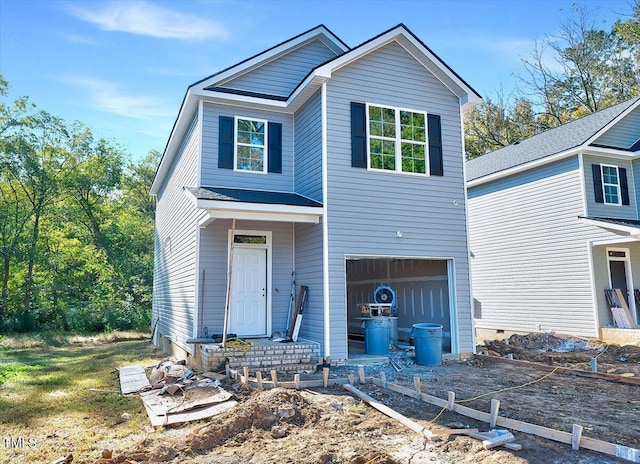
(341, 166)
(553, 222)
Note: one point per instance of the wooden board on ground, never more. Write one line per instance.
(187, 416)
(132, 379)
(192, 398)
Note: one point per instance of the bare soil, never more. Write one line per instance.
(330, 426)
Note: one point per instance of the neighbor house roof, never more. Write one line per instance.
(555, 141)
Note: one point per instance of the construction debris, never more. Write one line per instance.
(174, 394)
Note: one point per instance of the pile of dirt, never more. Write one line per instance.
(558, 343)
(566, 351)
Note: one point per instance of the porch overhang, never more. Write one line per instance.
(255, 205)
(625, 227)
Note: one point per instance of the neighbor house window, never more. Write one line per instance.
(611, 184)
(251, 149)
(397, 140)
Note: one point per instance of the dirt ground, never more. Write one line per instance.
(330, 426)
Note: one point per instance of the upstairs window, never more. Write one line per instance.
(397, 140)
(251, 136)
(611, 184)
(249, 145)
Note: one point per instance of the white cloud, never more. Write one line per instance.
(108, 97)
(78, 39)
(145, 18)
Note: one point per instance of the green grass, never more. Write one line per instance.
(62, 391)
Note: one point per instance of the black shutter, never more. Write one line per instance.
(274, 163)
(624, 186)
(225, 142)
(597, 183)
(358, 135)
(435, 145)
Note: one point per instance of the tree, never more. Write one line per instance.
(493, 125)
(76, 225)
(581, 70)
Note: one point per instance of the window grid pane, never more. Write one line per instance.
(250, 145)
(397, 140)
(413, 158)
(611, 184)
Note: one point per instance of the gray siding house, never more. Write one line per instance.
(341, 166)
(553, 222)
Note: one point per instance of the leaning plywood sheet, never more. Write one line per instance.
(622, 321)
(132, 379)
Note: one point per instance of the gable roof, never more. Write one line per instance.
(557, 141)
(206, 90)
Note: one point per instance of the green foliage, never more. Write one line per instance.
(579, 70)
(10, 372)
(76, 226)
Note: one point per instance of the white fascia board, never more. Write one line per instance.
(523, 167)
(188, 109)
(612, 123)
(616, 241)
(277, 212)
(616, 227)
(594, 151)
(418, 51)
(244, 100)
(320, 32)
(610, 152)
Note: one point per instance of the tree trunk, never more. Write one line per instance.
(4, 303)
(28, 281)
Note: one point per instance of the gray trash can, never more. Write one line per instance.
(428, 341)
(376, 335)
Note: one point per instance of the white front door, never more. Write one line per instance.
(248, 299)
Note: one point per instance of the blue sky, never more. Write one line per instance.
(122, 67)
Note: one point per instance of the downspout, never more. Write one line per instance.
(455, 342)
(325, 229)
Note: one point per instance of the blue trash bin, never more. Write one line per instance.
(376, 335)
(428, 342)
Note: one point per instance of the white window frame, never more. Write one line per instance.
(398, 141)
(606, 184)
(265, 147)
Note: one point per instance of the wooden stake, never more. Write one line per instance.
(259, 379)
(383, 378)
(274, 377)
(576, 436)
(451, 396)
(227, 370)
(361, 373)
(325, 376)
(594, 365)
(495, 407)
(228, 296)
(352, 378)
(385, 409)
(296, 380)
(245, 375)
(417, 385)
